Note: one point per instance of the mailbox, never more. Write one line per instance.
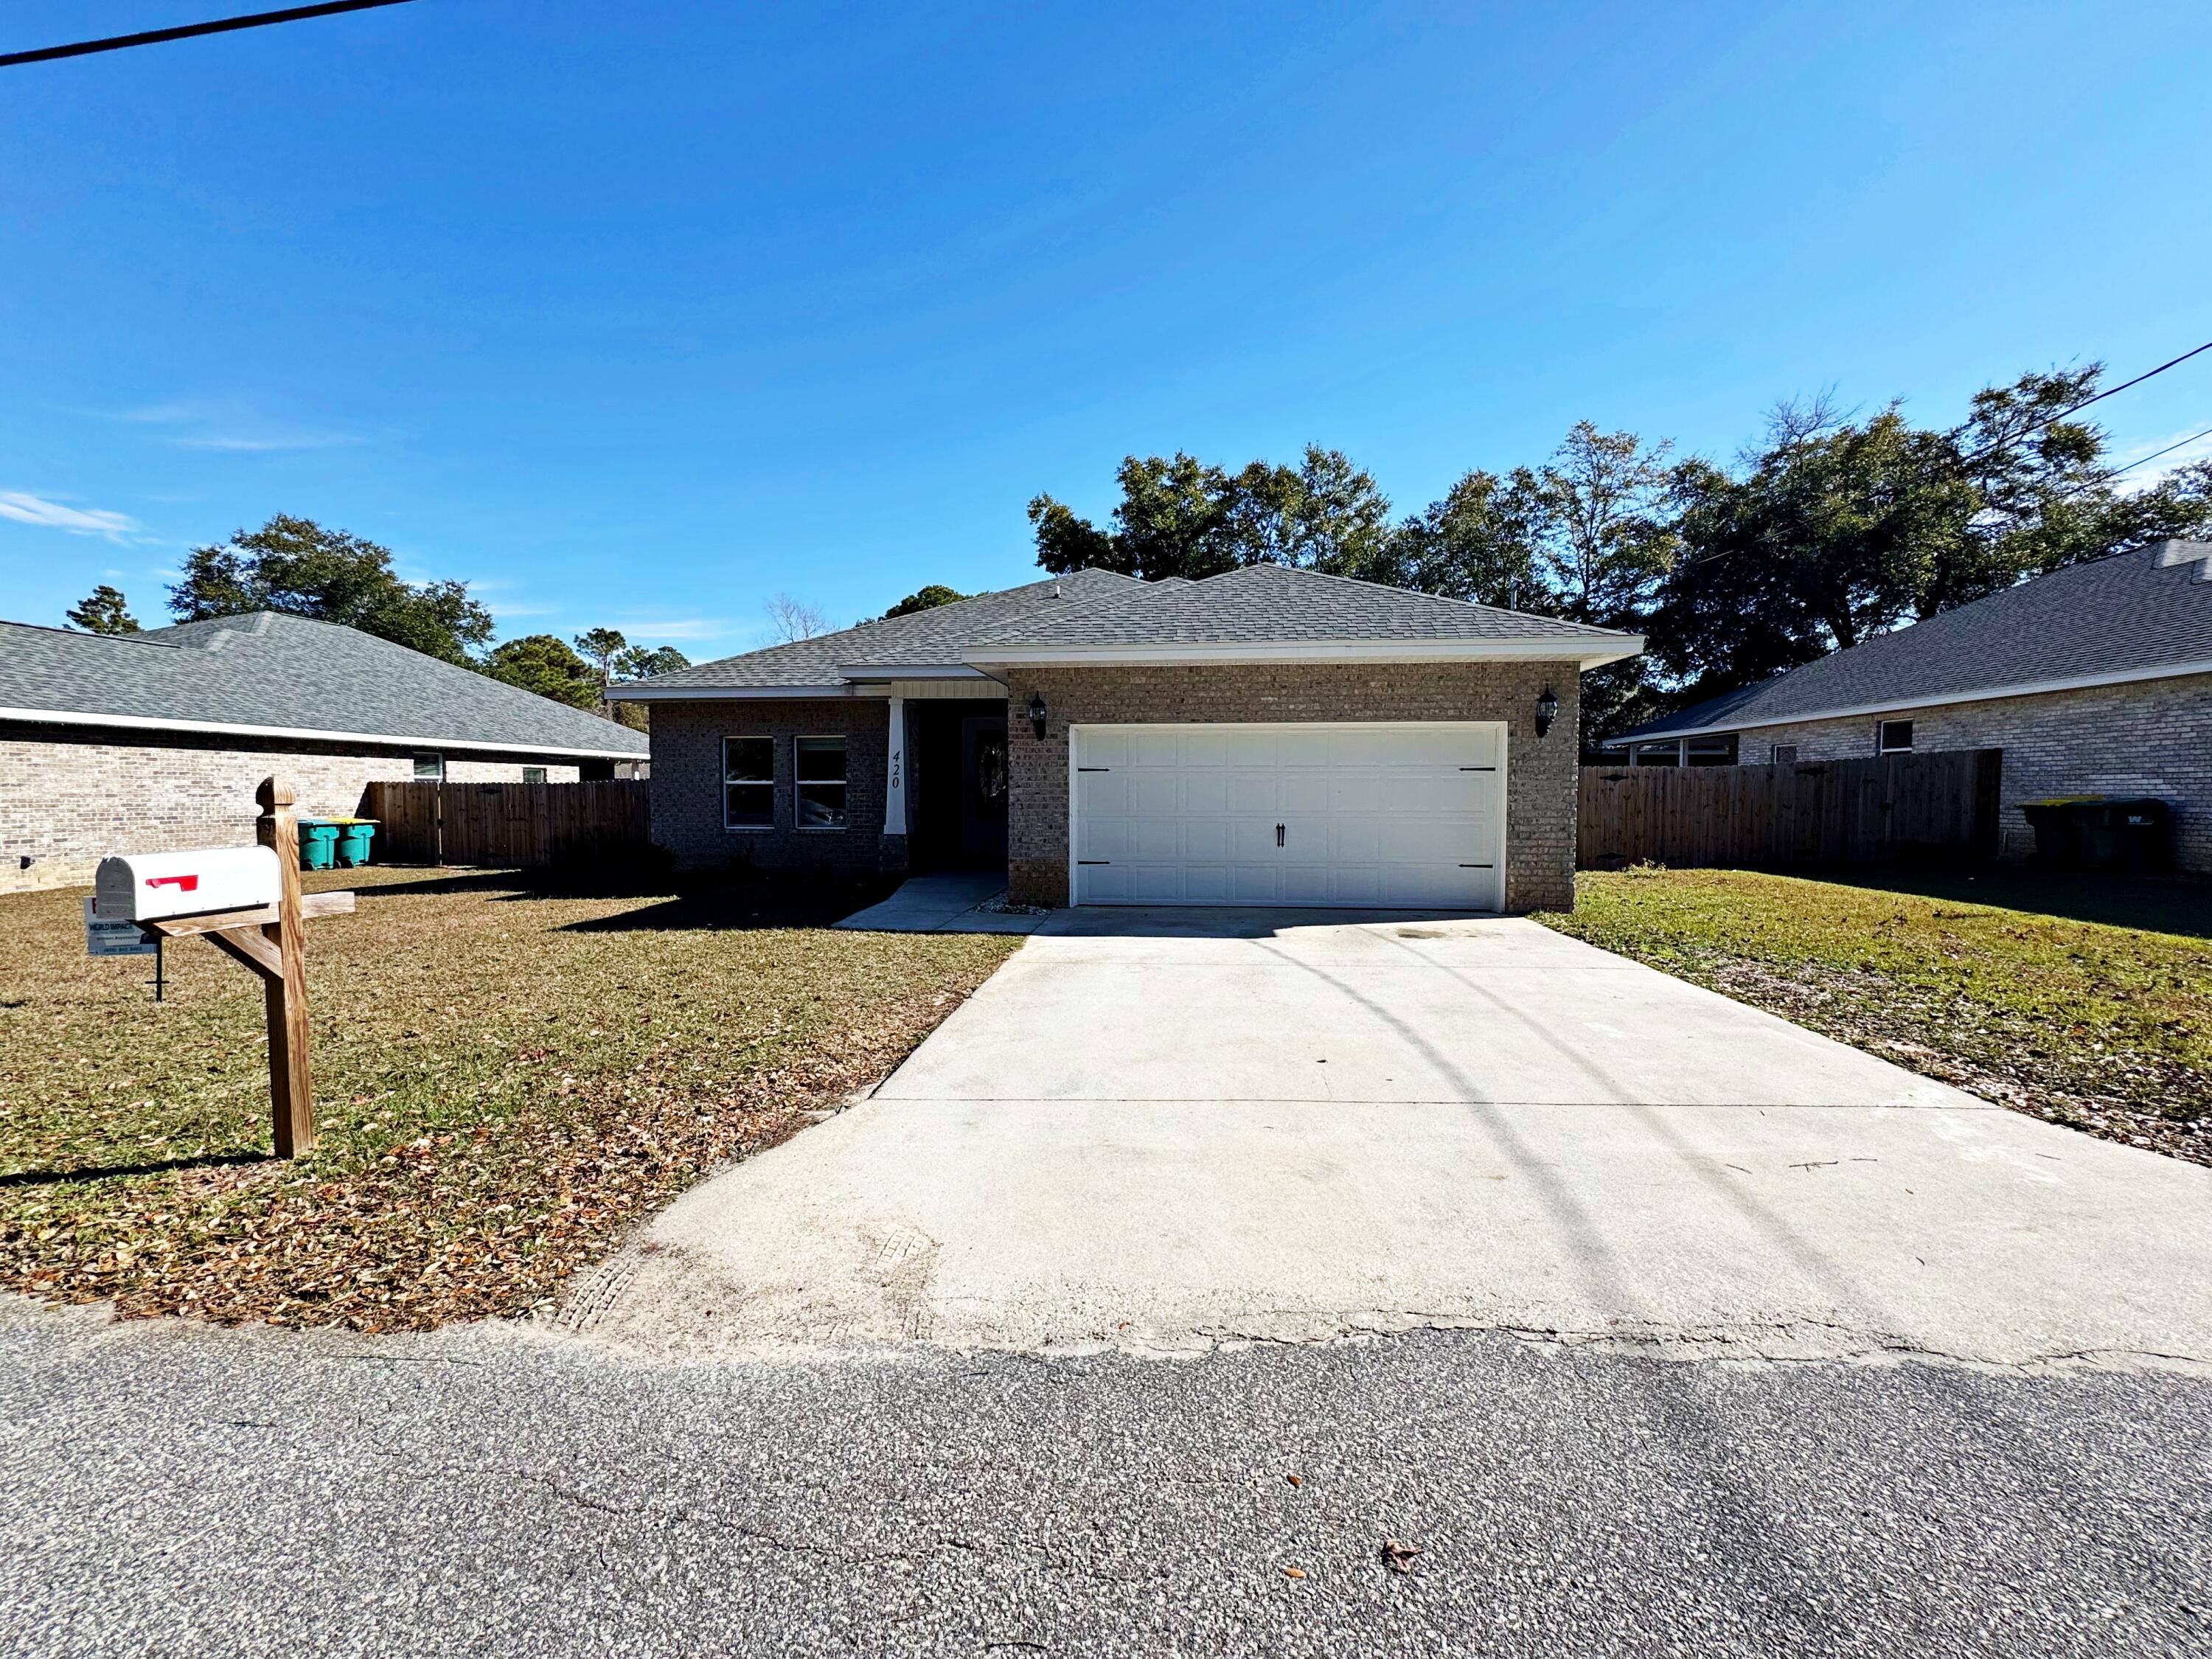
(155, 886)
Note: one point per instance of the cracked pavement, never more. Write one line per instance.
(505, 1491)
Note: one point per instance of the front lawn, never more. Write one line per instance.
(2108, 1029)
(506, 1081)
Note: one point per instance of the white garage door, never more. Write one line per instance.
(1408, 815)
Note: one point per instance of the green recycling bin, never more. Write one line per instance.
(353, 837)
(319, 844)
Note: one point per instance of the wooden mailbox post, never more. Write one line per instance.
(269, 939)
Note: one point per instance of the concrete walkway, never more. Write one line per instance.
(953, 903)
(1158, 1131)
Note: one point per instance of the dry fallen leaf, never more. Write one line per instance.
(1294, 1479)
(1400, 1554)
(1294, 1572)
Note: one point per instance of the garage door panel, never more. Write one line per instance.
(1253, 792)
(1252, 838)
(1202, 792)
(1159, 840)
(1355, 840)
(1256, 884)
(1370, 814)
(1153, 791)
(1101, 794)
(1306, 791)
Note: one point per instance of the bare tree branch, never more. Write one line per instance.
(792, 620)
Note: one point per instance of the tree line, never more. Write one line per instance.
(299, 566)
(1828, 529)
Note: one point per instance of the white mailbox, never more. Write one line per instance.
(154, 886)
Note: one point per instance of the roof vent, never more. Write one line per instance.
(2176, 551)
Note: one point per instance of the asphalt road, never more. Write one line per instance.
(170, 1491)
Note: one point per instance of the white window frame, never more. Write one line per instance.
(1881, 743)
(436, 765)
(533, 774)
(1783, 754)
(798, 785)
(768, 823)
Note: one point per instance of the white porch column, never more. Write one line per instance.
(895, 786)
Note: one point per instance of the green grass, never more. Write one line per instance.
(506, 1080)
(2105, 1027)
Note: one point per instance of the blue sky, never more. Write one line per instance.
(639, 315)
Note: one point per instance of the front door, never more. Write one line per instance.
(983, 789)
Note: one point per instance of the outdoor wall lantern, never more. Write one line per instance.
(1037, 712)
(1547, 710)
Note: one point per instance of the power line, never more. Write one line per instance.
(2053, 420)
(186, 32)
(2155, 453)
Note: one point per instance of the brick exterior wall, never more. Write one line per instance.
(2150, 738)
(1541, 773)
(67, 801)
(687, 784)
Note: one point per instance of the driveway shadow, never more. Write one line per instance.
(1167, 922)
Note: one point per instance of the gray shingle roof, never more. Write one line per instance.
(1261, 605)
(2123, 614)
(935, 638)
(1269, 604)
(289, 673)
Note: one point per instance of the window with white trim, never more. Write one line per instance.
(533, 774)
(1785, 754)
(818, 770)
(1893, 738)
(429, 768)
(749, 783)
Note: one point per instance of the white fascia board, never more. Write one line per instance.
(1901, 705)
(1615, 648)
(722, 693)
(904, 672)
(305, 733)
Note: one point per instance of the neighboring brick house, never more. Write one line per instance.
(132, 743)
(1264, 737)
(2095, 679)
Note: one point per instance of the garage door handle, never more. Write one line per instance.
(1278, 834)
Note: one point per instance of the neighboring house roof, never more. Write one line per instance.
(1259, 613)
(269, 674)
(2144, 615)
(1271, 610)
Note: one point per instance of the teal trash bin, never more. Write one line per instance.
(319, 844)
(353, 839)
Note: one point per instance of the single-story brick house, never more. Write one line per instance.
(2095, 679)
(1268, 736)
(131, 743)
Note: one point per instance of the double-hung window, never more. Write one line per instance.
(748, 783)
(818, 767)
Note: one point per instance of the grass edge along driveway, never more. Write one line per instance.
(2106, 1029)
(505, 1078)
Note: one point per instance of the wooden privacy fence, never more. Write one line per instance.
(509, 825)
(1898, 807)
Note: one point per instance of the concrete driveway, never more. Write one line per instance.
(1160, 1131)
